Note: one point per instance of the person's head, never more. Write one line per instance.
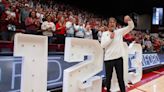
(71, 19)
(112, 23)
(62, 19)
(81, 23)
(102, 29)
(26, 6)
(32, 14)
(88, 27)
(49, 18)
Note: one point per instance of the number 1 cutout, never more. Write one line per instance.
(34, 50)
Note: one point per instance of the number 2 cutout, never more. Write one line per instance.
(81, 77)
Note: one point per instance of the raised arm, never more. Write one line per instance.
(130, 26)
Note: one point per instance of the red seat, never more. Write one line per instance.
(6, 44)
(51, 47)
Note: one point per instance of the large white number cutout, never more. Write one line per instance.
(136, 49)
(81, 77)
(34, 50)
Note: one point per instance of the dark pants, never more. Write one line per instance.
(50, 39)
(34, 32)
(60, 39)
(4, 35)
(118, 64)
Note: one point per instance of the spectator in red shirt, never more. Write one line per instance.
(8, 22)
(156, 45)
(128, 38)
(32, 23)
(60, 31)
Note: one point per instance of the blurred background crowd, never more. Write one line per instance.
(59, 20)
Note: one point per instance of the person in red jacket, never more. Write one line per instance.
(32, 23)
(60, 31)
(8, 23)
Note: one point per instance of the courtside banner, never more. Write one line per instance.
(10, 72)
(161, 57)
(150, 60)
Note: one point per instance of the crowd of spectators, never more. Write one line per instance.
(151, 42)
(57, 21)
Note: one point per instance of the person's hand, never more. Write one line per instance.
(31, 21)
(112, 35)
(127, 18)
(36, 22)
(12, 18)
(8, 17)
(64, 25)
(50, 28)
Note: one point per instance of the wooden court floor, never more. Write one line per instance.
(151, 82)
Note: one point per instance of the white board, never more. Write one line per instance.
(81, 77)
(34, 50)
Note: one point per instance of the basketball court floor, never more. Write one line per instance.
(151, 82)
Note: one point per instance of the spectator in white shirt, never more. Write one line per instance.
(148, 44)
(100, 31)
(88, 32)
(69, 27)
(48, 28)
(79, 30)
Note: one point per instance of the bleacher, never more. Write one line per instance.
(8, 46)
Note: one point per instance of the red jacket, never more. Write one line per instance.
(4, 23)
(61, 31)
